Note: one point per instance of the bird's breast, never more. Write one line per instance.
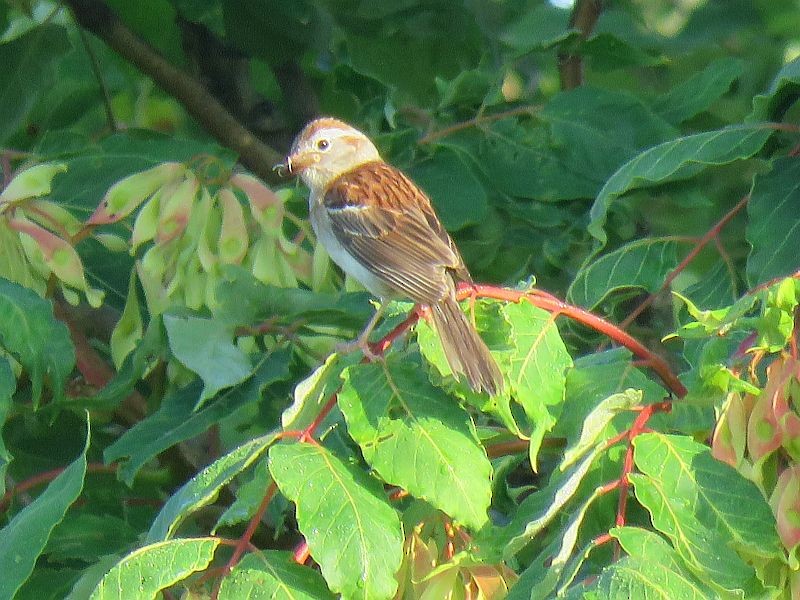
(320, 222)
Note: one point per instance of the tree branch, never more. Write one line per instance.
(583, 18)
(98, 18)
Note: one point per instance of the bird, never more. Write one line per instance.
(380, 228)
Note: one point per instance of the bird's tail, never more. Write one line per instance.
(464, 349)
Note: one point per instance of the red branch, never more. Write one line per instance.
(559, 307)
(304, 436)
(47, 477)
(243, 543)
(623, 484)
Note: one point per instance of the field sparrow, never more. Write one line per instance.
(380, 228)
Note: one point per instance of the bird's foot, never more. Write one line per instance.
(358, 344)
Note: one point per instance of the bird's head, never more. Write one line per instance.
(327, 148)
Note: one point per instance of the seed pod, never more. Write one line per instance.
(266, 206)
(297, 259)
(785, 503)
(194, 284)
(176, 209)
(210, 213)
(111, 242)
(155, 296)
(31, 183)
(126, 195)
(320, 270)
(59, 256)
(730, 434)
(269, 265)
(146, 223)
(233, 239)
(52, 216)
(128, 330)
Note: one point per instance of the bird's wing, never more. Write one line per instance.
(387, 223)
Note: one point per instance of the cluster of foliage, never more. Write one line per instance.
(166, 316)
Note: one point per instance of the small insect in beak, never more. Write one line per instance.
(284, 168)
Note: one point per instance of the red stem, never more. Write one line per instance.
(243, 542)
(711, 234)
(301, 553)
(47, 477)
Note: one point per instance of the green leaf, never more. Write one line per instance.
(539, 363)
(458, 196)
(272, 575)
(580, 120)
(25, 537)
(243, 300)
(8, 384)
(28, 69)
(444, 41)
(607, 52)
(699, 92)
(772, 228)
(676, 160)
(146, 571)
(176, 420)
(596, 421)
(313, 392)
(37, 340)
(148, 351)
(540, 28)
(89, 537)
(519, 160)
(538, 510)
(717, 288)
(203, 488)
(351, 530)
(651, 570)
(90, 577)
(558, 564)
(205, 346)
(639, 265)
(594, 378)
(468, 87)
(782, 93)
(709, 511)
(249, 495)
(392, 410)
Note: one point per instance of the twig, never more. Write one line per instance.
(301, 553)
(98, 18)
(711, 234)
(98, 74)
(477, 121)
(96, 371)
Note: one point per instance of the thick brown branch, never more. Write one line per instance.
(584, 17)
(98, 18)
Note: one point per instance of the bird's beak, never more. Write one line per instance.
(296, 163)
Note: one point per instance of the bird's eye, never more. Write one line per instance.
(323, 144)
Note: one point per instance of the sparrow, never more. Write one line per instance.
(381, 229)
